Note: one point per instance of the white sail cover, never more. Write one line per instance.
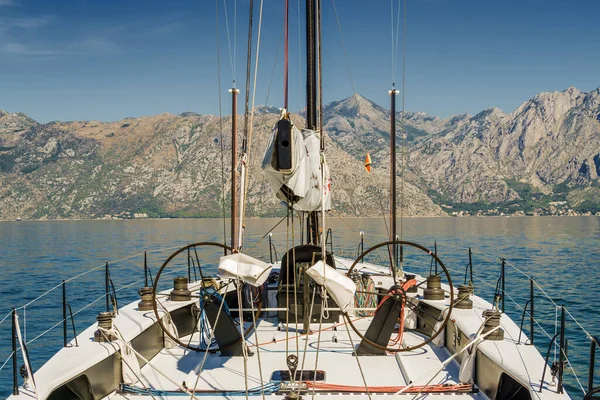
(340, 287)
(247, 269)
(130, 365)
(303, 180)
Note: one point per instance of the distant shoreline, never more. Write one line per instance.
(255, 218)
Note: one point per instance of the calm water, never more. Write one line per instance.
(562, 254)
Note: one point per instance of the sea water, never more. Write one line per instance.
(562, 254)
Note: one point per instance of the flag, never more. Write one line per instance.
(368, 163)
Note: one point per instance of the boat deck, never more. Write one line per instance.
(329, 348)
(336, 359)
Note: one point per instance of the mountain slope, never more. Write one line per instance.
(546, 152)
(165, 165)
(549, 142)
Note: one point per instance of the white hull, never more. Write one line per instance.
(170, 368)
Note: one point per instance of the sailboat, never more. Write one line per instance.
(313, 324)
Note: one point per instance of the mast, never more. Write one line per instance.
(393, 229)
(234, 92)
(311, 98)
(311, 64)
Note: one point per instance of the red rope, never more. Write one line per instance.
(407, 285)
(437, 388)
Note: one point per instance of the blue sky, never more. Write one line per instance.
(110, 59)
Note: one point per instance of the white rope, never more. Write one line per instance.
(121, 339)
(511, 299)
(478, 338)
(589, 335)
(88, 306)
(312, 302)
(46, 331)
(574, 373)
(92, 270)
(555, 330)
(210, 337)
(246, 155)
(241, 324)
(114, 332)
(362, 374)
(40, 296)
(262, 387)
(514, 267)
(7, 360)
(25, 358)
(439, 368)
(6, 317)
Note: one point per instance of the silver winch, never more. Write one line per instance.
(434, 289)
(104, 324)
(180, 290)
(463, 300)
(146, 303)
(492, 320)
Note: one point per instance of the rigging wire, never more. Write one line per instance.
(241, 324)
(402, 127)
(299, 49)
(355, 96)
(395, 39)
(234, 39)
(231, 56)
(206, 351)
(393, 58)
(320, 94)
(337, 19)
(262, 383)
(249, 159)
(286, 54)
(244, 155)
(220, 123)
(250, 127)
(248, 67)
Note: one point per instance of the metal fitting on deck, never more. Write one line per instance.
(180, 290)
(492, 320)
(434, 288)
(463, 301)
(146, 294)
(105, 323)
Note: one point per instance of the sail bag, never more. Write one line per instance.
(292, 166)
(245, 268)
(340, 287)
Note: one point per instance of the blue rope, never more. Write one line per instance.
(268, 388)
(204, 328)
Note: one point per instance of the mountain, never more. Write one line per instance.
(164, 165)
(542, 158)
(547, 149)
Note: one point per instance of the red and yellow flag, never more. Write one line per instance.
(368, 163)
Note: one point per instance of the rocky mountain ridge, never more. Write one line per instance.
(546, 151)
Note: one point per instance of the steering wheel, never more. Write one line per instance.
(155, 300)
(435, 333)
